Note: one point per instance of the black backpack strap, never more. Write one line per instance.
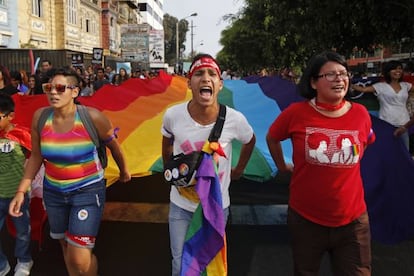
(43, 118)
(93, 133)
(218, 126)
(88, 123)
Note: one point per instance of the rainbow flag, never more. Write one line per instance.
(204, 251)
(137, 107)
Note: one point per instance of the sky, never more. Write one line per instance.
(208, 23)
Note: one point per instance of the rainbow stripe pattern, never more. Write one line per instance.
(204, 251)
(137, 107)
(63, 152)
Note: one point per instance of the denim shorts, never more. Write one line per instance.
(76, 216)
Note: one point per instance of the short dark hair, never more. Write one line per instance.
(69, 73)
(16, 75)
(388, 66)
(46, 60)
(313, 69)
(100, 69)
(6, 103)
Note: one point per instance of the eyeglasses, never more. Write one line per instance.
(60, 88)
(331, 76)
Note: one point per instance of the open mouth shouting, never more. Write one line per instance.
(206, 92)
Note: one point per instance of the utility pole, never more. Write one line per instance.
(177, 48)
(177, 42)
(192, 39)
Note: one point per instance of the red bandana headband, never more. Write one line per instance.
(204, 62)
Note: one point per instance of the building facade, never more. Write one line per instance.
(74, 25)
(152, 13)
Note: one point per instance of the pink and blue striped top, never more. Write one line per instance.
(71, 159)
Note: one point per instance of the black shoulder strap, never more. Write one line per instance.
(43, 118)
(218, 126)
(88, 123)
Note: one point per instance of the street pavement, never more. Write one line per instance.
(133, 238)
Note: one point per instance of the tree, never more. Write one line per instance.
(281, 33)
(170, 41)
(169, 38)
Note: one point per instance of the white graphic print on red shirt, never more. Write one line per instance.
(335, 148)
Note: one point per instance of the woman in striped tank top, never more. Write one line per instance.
(74, 184)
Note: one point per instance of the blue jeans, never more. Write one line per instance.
(22, 224)
(76, 215)
(179, 221)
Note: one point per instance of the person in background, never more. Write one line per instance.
(47, 76)
(5, 82)
(90, 72)
(404, 128)
(136, 73)
(226, 75)
(80, 71)
(35, 86)
(409, 77)
(185, 128)
(109, 72)
(25, 77)
(123, 75)
(116, 80)
(327, 212)
(100, 79)
(15, 146)
(45, 67)
(144, 74)
(74, 185)
(16, 81)
(264, 73)
(392, 95)
(85, 89)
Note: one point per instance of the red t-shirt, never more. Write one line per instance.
(326, 185)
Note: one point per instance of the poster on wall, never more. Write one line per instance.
(134, 42)
(97, 57)
(123, 65)
(156, 46)
(77, 60)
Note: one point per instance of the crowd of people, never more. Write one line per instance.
(285, 73)
(91, 78)
(327, 211)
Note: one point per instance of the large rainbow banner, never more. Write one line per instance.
(138, 105)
